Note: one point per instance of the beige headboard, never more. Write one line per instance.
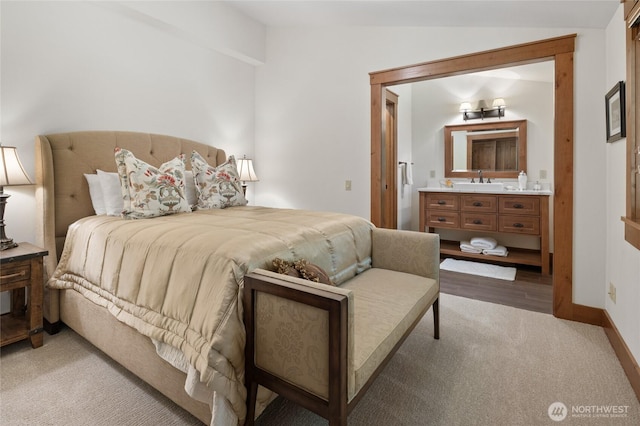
(62, 192)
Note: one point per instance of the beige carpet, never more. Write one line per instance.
(494, 365)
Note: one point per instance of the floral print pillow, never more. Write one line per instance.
(148, 191)
(217, 187)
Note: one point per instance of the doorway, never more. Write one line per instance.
(560, 50)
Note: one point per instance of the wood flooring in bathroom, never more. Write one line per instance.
(531, 290)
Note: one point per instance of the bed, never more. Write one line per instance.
(162, 296)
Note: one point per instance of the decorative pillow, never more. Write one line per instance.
(302, 269)
(217, 187)
(148, 191)
(111, 192)
(95, 192)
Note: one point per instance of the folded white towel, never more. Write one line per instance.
(484, 242)
(496, 251)
(474, 250)
(466, 247)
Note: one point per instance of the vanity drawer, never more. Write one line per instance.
(529, 205)
(442, 201)
(478, 222)
(520, 224)
(443, 219)
(479, 203)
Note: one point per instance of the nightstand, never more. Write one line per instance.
(21, 269)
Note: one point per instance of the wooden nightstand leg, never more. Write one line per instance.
(35, 304)
(36, 338)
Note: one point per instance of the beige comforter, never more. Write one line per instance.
(178, 279)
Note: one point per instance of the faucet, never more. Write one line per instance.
(480, 176)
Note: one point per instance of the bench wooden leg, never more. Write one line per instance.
(436, 319)
(252, 394)
(338, 420)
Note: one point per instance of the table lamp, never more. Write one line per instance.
(11, 174)
(246, 172)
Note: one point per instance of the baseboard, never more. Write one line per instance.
(627, 360)
(588, 314)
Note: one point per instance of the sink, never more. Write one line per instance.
(479, 187)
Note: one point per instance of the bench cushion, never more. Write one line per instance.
(386, 304)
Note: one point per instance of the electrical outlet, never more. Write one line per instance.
(432, 174)
(612, 292)
(543, 174)
(347, 185)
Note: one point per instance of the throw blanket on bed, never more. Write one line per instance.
(178, 279)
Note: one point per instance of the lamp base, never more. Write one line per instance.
(7, 244)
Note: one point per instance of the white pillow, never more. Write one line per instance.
(190, 188)
(111, 192)
(95, 191)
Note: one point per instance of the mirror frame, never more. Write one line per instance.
(520, 125)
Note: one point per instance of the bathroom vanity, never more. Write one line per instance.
(489, 211)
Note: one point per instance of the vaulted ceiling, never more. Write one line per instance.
(467, 13)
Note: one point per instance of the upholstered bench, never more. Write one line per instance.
(322, 346)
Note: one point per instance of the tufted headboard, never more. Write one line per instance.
(62, 159)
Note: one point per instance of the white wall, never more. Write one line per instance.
(623, 260)
(70, 66)
(313, 120)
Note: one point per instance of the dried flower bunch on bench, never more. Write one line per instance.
(301, 268)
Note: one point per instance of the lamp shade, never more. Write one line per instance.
(499, 103)
(11, 170)
(245, 170)
(465, 106)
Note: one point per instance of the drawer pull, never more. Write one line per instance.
(518, 206)
(442, 202)
(477, 204)
(17, 274)
(518, 225)
(477, 222)
(442, 219)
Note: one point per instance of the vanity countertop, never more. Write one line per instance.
(504, 191)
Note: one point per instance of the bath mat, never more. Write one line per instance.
(481, 269)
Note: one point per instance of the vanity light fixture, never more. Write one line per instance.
(246, 172)
(482, 110)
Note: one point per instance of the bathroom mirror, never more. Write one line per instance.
(499, 149)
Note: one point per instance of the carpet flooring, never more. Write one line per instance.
(493, 365)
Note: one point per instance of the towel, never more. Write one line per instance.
(407, 174)
(484, 243)
(466, 247)
(496, 251)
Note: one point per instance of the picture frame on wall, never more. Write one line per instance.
(615, 109)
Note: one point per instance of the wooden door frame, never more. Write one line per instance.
(392, 161)
(558, 49)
